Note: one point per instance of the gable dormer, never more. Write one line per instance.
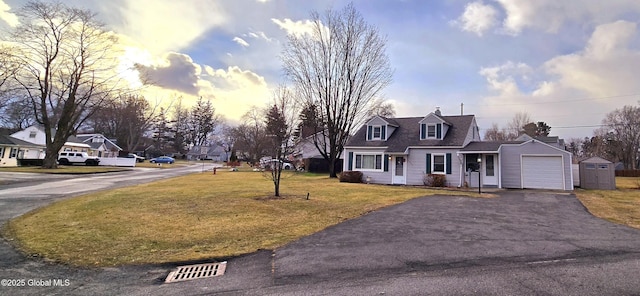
(379, 129)
(433, 127)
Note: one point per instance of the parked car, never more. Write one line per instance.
(137, 157)
(67, 158)
(266, 164)
(162, 159)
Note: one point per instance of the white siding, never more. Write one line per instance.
(417, 165)
(472, 134)
(431, 119)
(7, 161)
(378, 177)
(376, 121)
(25, 133)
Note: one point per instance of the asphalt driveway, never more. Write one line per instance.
(521, 243)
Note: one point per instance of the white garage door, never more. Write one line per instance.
(545, 172)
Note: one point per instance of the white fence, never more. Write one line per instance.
(576, 174)
(118, 161)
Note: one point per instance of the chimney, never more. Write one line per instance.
(438, 111)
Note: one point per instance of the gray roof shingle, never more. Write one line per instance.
(408, 134)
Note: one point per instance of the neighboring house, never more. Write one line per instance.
(13, 150)
(99, 145)
(405, 150)
(35, 134)
(213, 152)
(307, 153)
(553, 140)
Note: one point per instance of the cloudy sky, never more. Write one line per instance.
(566, 63)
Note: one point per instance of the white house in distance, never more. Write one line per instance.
(35, 134)
(405, 150)
(12, 150)
(100, 145)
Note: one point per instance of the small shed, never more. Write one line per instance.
(597, 173)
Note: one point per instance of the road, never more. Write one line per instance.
(521, 243)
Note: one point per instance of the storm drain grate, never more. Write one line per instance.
(197, 271)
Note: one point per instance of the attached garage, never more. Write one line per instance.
(535, 165)
(542, 171)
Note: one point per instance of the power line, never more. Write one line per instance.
(560, 101)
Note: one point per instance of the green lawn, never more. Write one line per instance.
(620, 206)
(196, 217)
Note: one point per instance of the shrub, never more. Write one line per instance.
(233, 164)
(351, 177)
(435, 180)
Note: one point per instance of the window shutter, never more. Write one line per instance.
(423, 131)
(428, 170)
(369, 132)
(383, 132)
(350, 168)
(439, 130)
(448, 163)
(386, 162)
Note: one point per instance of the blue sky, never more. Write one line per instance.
(567, 63)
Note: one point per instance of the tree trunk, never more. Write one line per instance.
(51, 158)
(332, 168)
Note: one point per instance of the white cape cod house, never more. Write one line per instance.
(405, 150)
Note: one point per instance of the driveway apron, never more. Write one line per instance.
(441, 232)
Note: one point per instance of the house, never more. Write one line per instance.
(13, 151)
(35, 134)
(406, 150)
(551, 140)
(213, 152)
(307, 155)
(99, 145)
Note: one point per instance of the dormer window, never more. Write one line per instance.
(431, 131)
(377, 132)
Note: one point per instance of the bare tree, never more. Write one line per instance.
(623, 135)
(17, 114)
(126, 118)
(517, 123)
(67, 68)
(575, 145)
(250, 136)
(9, 65)
(494, 133)
(280, 121)
(383, 109)
(341, 67)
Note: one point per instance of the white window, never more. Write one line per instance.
(32, 134)
(14, 153)
(368, 161)
(431, 131)
(439, 166)
(1, 152)
(377, 132)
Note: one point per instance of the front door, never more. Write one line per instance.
(489, 170)
(399, 170)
